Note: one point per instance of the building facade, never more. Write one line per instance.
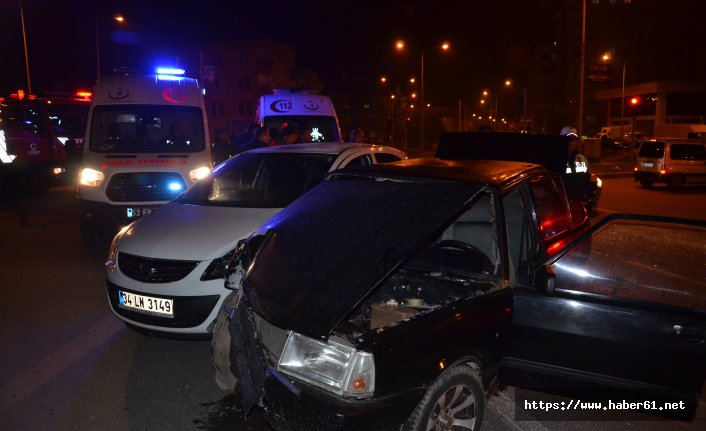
(235, 75)
(646, 41)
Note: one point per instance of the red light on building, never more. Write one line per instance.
(635, 101)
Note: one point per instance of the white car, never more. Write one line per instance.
(165, 271)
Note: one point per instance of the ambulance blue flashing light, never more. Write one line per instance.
(170, 71)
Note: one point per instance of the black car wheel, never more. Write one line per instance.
(454, 401)
(676, 182)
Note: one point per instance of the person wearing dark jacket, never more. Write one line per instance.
(260, 139)
(221, 147)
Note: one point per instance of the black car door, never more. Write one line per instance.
(623, 306)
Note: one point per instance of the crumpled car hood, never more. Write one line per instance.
(322, 255)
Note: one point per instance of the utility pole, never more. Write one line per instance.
(583, 66)
(24, 39)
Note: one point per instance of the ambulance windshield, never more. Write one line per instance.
(146, 129)
(311, 128)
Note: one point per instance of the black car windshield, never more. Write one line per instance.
(260, 180)
(147, 129)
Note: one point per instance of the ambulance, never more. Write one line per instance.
(311, 113)
(39, 135)
(146, 142)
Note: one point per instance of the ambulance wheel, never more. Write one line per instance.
(31, 183)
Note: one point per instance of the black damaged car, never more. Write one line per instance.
(387, 296)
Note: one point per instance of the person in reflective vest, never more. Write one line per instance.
(575, 162)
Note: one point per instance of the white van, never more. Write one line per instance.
(675, 162)
(312, 114)
(146, 141)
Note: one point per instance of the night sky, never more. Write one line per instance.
(489, 39)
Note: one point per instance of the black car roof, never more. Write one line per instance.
(497, 173)
(547, 150)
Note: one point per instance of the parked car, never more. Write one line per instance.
(548, 150)
(164, 272)
(387, 295)
(369, 313)
(676, 162)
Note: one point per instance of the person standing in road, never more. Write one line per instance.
(575, 162)
(260, 139)
(290, 135)
(243, 138)
(221, 147)
(357, 136)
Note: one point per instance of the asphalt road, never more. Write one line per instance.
(68, 364)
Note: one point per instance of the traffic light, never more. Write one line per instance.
(634, 101)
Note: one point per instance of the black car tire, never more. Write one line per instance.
(676, 182)
(646, 184)
(454, 401)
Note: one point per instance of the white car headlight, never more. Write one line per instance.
(91, 177)
(331, 366)
(199, 173)
(112, 262)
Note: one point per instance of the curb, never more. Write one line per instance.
(613, 174)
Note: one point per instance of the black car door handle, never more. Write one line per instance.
(689, 334)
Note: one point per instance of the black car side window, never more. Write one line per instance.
(552, 206)
(471, 242)
(361, 161)
(518, 233)
(628, 259)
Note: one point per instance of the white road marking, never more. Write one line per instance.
(504, 405)
(22, 386)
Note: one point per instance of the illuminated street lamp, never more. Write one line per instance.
(607, 57)
(400, 44)
(117, 18)
(394, 88)
(507, 83)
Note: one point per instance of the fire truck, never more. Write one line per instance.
(41, 137)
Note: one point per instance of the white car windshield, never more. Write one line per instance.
(260, 180)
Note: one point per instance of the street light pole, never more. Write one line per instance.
(583, 66)
(622, 106)
(24, 40)
(444, 46)
(98, 53)
(421, 87)
(117, 18)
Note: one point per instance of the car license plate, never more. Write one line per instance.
(648, 165)
(146, 304)
(137, 212)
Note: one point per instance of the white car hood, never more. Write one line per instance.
(192, 232)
